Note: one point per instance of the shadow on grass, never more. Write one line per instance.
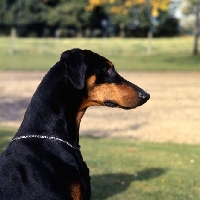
(13, 109)
(107, 185)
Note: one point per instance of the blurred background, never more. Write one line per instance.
(151, 152)
(97, 18)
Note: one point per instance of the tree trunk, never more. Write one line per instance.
(149, 45)
(196, 30)
(79, 32)
(122, 32)
(13, 35)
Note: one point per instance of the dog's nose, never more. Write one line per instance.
(144, 96)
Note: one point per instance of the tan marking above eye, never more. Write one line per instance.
(110, 63)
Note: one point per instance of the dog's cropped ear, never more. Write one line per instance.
(75, 67)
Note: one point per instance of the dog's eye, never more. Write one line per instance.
(107, 70)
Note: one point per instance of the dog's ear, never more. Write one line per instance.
(75, 67)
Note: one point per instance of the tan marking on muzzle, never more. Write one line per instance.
(91, 81)
(123, 95)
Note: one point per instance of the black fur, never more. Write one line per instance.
(44, 169)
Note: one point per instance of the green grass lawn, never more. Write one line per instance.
(168, 54)
(122, 169)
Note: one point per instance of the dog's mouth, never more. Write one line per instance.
(113, 104)
(110, 104)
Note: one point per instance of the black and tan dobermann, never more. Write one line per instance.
(44, 161)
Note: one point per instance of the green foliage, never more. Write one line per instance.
(125, 169)
(37, 15)
(49, 12)
(20, 12)
(68, 13)
(2, 11)
(141, 13)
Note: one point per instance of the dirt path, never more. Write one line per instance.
(171, 115)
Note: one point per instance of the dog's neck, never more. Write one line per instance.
(54, 109)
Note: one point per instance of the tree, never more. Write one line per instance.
(124, 7)
(131, 11)
(20, 14)
(2, 11)
(119, 5)
(35, 15)
(192, 7)
(38, 15)
(68, 13)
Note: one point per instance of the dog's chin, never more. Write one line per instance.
(113, 104)
(141, 102)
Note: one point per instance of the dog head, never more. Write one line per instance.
(101, 83)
